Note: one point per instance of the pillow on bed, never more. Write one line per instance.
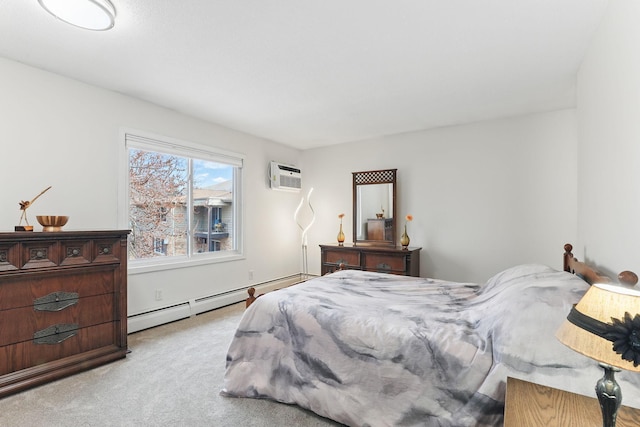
(517, 273)
(528, 303)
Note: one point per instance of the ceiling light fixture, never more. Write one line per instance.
(97, 15)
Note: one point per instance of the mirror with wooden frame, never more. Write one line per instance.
(374, 207)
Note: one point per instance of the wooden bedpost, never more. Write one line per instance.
(628, 278)
(251, 291)
(567, 256)
(590, 275)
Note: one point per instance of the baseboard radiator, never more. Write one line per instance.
(190, 308)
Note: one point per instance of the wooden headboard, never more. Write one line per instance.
(571, 264)
(589, 274)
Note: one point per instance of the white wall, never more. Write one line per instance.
(484, 196)
(609, 151)
(59, 132)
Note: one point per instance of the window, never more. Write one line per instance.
(163, 213)
(160, 246)
(183, 200)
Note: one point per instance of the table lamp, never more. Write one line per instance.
(605, 326)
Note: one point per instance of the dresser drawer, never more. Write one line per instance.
(23, 291)
(9, 256)
(107, 251)
(84, 312)
(349, 259)
(384, 263)
(27, 354)
(391, 259)
(40, 254)
(43, 254)
(76, 252)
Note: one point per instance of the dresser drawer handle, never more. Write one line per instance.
(55, 334)
(38, 254)
(56, 301)
(383, 268)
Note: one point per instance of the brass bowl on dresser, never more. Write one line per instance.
(52, 222)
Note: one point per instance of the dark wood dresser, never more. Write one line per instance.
(383, 259)
(63, 304)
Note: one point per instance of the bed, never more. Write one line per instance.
(373, 349)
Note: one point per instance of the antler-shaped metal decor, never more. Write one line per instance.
(24, 205)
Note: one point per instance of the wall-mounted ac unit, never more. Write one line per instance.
(284, 177)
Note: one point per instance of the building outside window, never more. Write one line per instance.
(163, 214)
(183, 200)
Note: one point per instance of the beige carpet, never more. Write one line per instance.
(172, 377)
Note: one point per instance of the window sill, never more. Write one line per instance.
(173, 263)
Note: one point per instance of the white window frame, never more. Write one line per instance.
(136, 139)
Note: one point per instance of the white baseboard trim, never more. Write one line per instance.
(147, 320)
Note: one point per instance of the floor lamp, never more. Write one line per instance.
(305, 263)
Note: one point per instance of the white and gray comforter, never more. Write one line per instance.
(370, 349)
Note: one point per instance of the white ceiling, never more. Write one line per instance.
(309, 73)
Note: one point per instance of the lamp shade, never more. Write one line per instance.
(605, 326)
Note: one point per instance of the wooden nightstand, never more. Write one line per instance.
(533, 405)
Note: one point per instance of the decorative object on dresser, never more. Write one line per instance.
(374, 192)
(24, 205)
(63, 304)
(340, 232)
(52, 222)
(605, 326)
(534, 405)
(382, 259)
(404, 239)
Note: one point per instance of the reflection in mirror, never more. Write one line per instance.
(374, 205)
(375, 211)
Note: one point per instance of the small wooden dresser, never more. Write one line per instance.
(63, 304)
(383, 259)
